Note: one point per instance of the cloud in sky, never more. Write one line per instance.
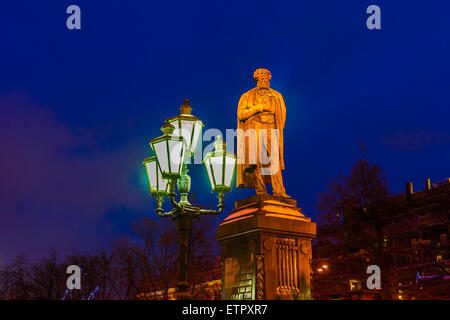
(58, 183)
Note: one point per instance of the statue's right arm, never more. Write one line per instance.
(244, 110)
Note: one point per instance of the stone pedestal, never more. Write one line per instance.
(266, 250)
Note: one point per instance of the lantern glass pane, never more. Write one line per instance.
(157, 183)
(162, 183)
(217, 164)
(183, 128)
(208, 169)
(176, 154)
(196, 135)
(152, 174)
(160, 148)
(230, 163)
(186, 130)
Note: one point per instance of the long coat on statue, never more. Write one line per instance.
(249, 100)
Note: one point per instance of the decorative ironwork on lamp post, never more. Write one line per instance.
(173, 151)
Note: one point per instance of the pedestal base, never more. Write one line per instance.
(266, 249)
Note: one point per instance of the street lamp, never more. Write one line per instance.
(169, 150)
(158, 185)
(220, 166)
(187, 126)
(169, 167)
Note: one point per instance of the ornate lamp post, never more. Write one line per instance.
(169, 167)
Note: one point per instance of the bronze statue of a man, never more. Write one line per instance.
(261, 116)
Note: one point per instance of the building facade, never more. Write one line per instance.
(407, 237)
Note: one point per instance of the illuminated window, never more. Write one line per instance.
(355, 285)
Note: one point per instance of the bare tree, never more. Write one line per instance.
(147, 266)
(350, 215)
(14, 282)
(44, 280)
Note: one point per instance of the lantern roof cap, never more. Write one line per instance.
(185, 108)
(185, 114)
(167, 128)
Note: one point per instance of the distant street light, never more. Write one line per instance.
(323, 268)
(173, 151)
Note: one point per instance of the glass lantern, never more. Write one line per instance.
(169, 150)
(187, 126)
(158, 185)
(220, 166)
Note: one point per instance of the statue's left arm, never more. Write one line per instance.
(283, 109)
(281, 120)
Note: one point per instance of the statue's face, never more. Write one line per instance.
(263, 82)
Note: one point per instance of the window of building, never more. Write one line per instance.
(355, 285)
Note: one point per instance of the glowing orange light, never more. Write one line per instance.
(320, 269)
(325, 266)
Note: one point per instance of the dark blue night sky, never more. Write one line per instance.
(78, 107)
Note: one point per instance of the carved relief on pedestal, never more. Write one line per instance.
(259, 277)
(267, 244)
(305, 248)
(238, 274)
(287, 267)
(253, 245)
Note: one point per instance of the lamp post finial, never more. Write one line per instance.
(185, 107)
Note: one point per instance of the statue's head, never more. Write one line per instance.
(262, 77)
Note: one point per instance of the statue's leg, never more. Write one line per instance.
(276, 176)
(277, 185)
(260, 186)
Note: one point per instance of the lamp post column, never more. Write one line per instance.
(184, 224)
(184, 186)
